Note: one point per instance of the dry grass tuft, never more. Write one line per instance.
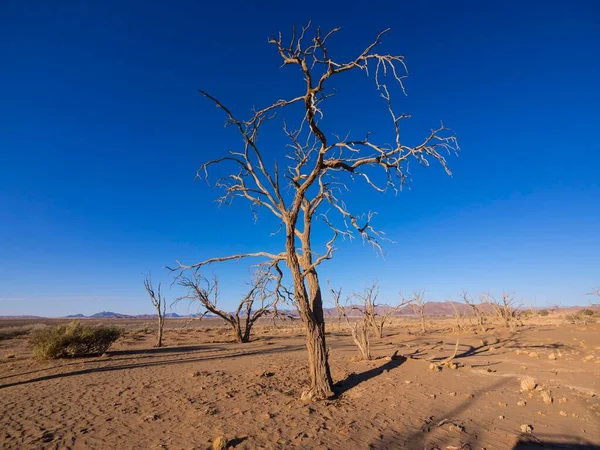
(546, 397)
(528, 384)
(220, 443)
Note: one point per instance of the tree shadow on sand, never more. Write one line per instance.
(552, 443)
(421, 438)
(355, 379)
(118, 367)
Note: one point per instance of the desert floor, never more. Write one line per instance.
(201, 386)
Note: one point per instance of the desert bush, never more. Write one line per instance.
(72, 340)
(543, 312)
(579, 318)
(586, 312)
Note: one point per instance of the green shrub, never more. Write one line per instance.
(73, 340)
(544, 312)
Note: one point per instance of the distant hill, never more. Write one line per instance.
(431, 309)
(22, 317)
(110, 315)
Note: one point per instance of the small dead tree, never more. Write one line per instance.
(417, 303)
(596, 292)
(478, 310)
(358, 328)
(160, 304)
(459, 318)
(377, 314)
(312, 176)
(258, 302)
(503, 308)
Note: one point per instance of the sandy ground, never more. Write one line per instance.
(202, 386)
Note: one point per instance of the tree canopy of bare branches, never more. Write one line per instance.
(309, 180)
(478, 310)
(377, 314)
(160, 304)
(505, 308)
(595, 291)
(258, 302)
(417, 303)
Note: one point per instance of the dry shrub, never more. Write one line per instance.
(582, 317)
(73, 340)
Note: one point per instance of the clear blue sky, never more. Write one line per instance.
(101, 131)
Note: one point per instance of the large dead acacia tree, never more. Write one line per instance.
(160, 304)
(258, 302)
(318, 165)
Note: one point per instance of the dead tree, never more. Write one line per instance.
(503, 308)
(596, 292)
(377, 314)
(160, 304)
(417, 303)
(477, 309)
(358, 328)
(310, 178)
(257, 303)
(459, 317)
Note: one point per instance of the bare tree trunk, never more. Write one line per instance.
(360, 335)
(321, 383)
(161, 323)
(310, 305)
(160, 304)
(239, 336)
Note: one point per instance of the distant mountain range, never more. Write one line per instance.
(114, 315)
(431, 309)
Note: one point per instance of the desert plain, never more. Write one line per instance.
(535, 387)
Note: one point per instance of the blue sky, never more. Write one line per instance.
(101, 131)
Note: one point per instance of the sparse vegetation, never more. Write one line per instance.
(543, 312)
(72, 340)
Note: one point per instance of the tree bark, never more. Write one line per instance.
(161, 321)
(310, 304)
